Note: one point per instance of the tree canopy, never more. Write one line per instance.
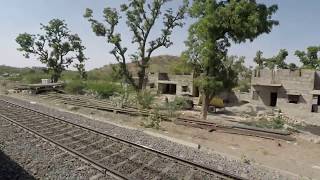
(277, 61)
(57, 48)
(310, 58)
(141, 17)
(218, 24)
(259, 60)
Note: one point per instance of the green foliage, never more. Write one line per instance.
(277, 61)
(104, 89)
(172, 108)
(95, 75)
(259, 60)
(140, 19)
(15, 78)
(75, 87)
(276, 122)
(182, 103)
(218, 23)
(33, 78)
(243, 74)
(293, 66)
(310, 58)
(70, 76)
(57, 48)
(145, 99)
(209, 85)
(179, 103)
(153, 120)
(244, 85)
(181, 67)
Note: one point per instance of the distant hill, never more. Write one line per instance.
(163, 63)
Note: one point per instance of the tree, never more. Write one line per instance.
(259, 60)
(218, 23)
(310, 58)
(293, 66)
(277, 61)
(243, 73)
(141, 18)
(57, 48)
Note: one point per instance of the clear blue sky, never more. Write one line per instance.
(299, 28)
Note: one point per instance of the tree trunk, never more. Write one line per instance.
(142, 75)
(55, 76)
(205, 105)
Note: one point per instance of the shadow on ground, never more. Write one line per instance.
(10, 170)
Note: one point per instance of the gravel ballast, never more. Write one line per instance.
(214, 160)
(26, 156)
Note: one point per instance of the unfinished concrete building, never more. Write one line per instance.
(287, 89)
(166, 83)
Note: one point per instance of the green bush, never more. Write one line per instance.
(274, 123)
(70, 76)
(15, 78)
(104, 89)
(244, 86)
(33, 78)
(278, 122)
(179, 103)
(145, 99)
(153, 120)
(75, 87)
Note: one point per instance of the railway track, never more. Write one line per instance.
(210, 126)
(236, 129)
(97, 104)
(119, 158)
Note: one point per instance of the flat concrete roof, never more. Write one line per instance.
(294, 93)
(167, 82)
(267, 84)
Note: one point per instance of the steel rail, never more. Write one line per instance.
(94, 104)
(213, 171)
(97, 165)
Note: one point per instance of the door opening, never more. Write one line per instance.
(273, 99)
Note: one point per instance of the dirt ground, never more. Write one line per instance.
(300, 157)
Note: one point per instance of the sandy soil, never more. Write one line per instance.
(300, 157)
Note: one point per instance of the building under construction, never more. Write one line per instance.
(287, 89)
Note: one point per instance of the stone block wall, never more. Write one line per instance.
(179, 80)
(300, 82)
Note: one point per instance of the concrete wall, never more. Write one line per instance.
(291, 82)
(179, 80)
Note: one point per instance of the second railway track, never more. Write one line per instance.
(120, 158)
(210, 126)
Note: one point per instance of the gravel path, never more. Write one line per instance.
(25, 156)
(249, 171)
